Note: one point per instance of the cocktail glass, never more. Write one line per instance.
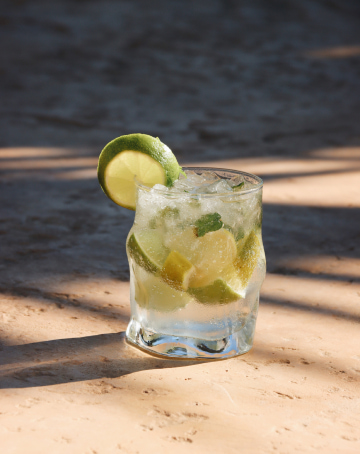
(196, 267)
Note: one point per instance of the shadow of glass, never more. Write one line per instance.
(76, 359)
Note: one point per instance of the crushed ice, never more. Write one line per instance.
(208, 182)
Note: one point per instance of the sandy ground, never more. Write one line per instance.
(270, 87)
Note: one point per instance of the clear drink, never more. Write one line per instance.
(197, 264)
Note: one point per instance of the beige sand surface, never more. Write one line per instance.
(267, 87)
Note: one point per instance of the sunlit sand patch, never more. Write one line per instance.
(308, 180)
(316, 191)
(336, 266)
(334, 52)
(82, 174)
(33, 152)
(340, 153)
(312, 162)
(65, 306)
(325, 297)
(73, 286)
(47, 163)
(67, 164)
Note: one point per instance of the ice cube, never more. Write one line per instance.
(210, 176)
(160, 187)
(218, 187)
(193, 181)
(236, 181)
(182, 186)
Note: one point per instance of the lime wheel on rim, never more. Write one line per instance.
(133, 156)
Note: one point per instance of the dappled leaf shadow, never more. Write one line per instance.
(76, 359)
(318, 310)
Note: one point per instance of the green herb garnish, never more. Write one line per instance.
(208, 223)
(238, 186)
(166, 213)
(169, 213)
(239, 234)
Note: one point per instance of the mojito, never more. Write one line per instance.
(195, 250)
(196, 264)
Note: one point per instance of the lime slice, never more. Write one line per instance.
(216, 250)
(177, 271)
(249, 249)
(135, 155)
(152, 293)
(219, 292)
(147, 249)
(209, 254)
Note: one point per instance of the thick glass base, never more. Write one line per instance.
(182, 347)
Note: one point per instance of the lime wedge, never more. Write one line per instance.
(152, 293)
(249, 249)
(147, 249)
(177, 271)
(219, 292)
(210, 254)
(135, 155)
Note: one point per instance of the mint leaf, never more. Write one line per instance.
(169, 213)
(208, 223)
(239, 234)
(239, 186)
(158, 221)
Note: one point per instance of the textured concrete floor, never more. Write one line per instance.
(269, 87)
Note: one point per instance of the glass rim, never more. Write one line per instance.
(165, 191)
